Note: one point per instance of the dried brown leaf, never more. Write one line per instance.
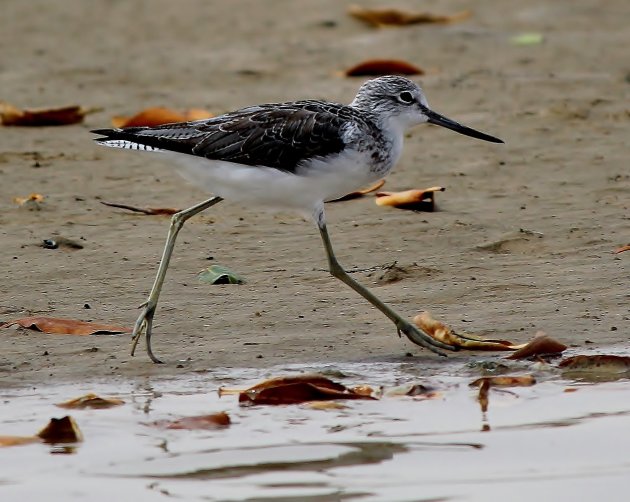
(152, 117)
(443, 333)
(61, 430)
(414, 200)
(505, 381)
(485, 383)
(149, 117)
(378, 67)
(193, 114)
(378, 17)
(367, 390)
(36, 198)
(297, 389)
(18, 440)
(54, 325)
(602, 363)
(312, 378)
(541, 344)
(91, 401)
(66, 115)
(361, 193)
(218, 420)
(482, 397)
(226, 391)
(149, 211)
(294, 393)
(622, 249)
(58, 430)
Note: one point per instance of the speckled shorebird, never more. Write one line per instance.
(295, 156)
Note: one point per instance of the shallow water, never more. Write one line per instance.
(534, 443)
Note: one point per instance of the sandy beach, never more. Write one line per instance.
(522, 240)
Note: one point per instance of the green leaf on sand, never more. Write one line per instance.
(218, 274)
(527, 39)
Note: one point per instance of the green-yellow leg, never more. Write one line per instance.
(415, 334)
(145, 319)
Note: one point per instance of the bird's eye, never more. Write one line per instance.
(406, 97)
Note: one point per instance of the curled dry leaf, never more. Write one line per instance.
(482, 397)
(505, 381)
(367, 390)
(397, 17)
(622, 249)
(218, 274)
(202, 422)
(602, 364)
(54, 325)
(193, 114)
(18, 440)
(485, 383)
(378, 67)
(61, 430)
(293, 393)
(151, 117)
(295, 389)
(443, 333)
(414, 200)
(314, 378)
(91, 401)
(541, 344)
(66, 115)
(58, 430)
(33, 199)
(167, 211)
(361, 193)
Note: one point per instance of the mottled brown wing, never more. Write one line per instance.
(279, 136)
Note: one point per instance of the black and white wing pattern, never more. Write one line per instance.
(275, 135)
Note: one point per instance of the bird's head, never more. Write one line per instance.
(402, 103)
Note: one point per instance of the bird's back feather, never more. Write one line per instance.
(280, 136)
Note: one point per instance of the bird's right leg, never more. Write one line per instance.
(415, 334)
(145, 319)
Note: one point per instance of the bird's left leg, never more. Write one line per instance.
(415, 334)
(144, 323)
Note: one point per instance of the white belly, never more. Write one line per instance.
(313, 183)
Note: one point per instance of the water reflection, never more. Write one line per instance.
(556, 440)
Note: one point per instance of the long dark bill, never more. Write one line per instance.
(441, 120)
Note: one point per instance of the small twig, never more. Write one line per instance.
(384, 266)
(148, 211)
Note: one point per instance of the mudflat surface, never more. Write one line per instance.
(522, 241)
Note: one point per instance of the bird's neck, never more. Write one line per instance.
(392, 130)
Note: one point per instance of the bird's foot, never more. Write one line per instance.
(420, 337)
(144, 326)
